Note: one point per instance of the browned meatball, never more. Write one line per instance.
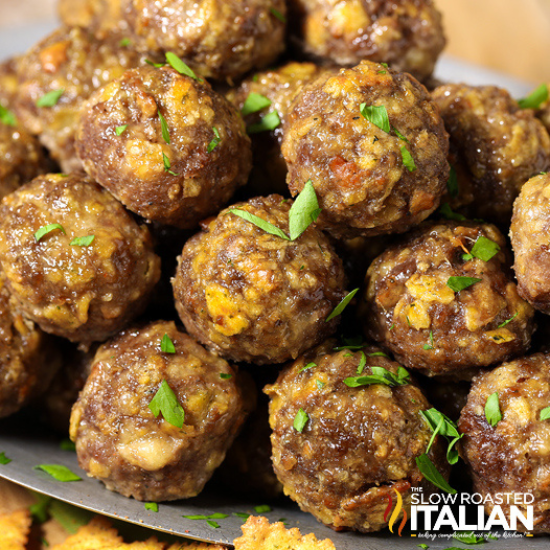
(8, 82)
(72, 63)
(413, 304)
(183, 150)
(222, 39)
(543, 112)
(102, 17)
(28, 359)
(501, 145)
(119, 440)
(358, 445)
(84, 291)
(279, 86)
(407, 34)
(252, 296)
(530, 234)
(369, 181)
(511, 457)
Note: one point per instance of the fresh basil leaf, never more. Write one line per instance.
(46, 229)
(377, 115)
(83, 241)
(58, 472)
(461, 283)
(320, 384)
(176, 63)
(303, 212)
(278, 15)
(300, 420)
(166, 345)
(166, 402)
(484, 249)
(7, 117)
(433, 417)
(448, 213)
(452, 183)
(269, 122)
(255, 103)
(4, 459)
(216, 140)
(545, 414)
(452, 453)
(504, 323)
(492, 410)
(50, 99)
(259, 222)
(429, 471)
(152, 506)
(535, 99)
(342, 305)
(408, 160)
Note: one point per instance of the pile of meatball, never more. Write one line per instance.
(153, 303)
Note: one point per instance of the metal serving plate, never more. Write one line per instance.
(28, 445)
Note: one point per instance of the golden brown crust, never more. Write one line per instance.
(359, 444)
(255, 297)
(119, 440)
(132, 165)
(407, 297)
(15, 529)
(357, 169)
(83, 293)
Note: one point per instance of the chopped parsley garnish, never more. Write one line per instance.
(213, 524)
(167, 165)
(216, 140)
(166, 402)
(378, 354)
(4, 459)
(448, 213)
(355, 343)
(176, 63)
(504, 323)
(217, 515)
(545, 414)
(444, 426)
(484, 249)
(377, 115)
(342, 305)
(153, 64)
(83, 241)
(259, 222)
(226, 376)
(452, 183)
(119, 130)
(468, 538)
(164, 128)
(67, 445)
(255, 103)
(300, 420)
(461, 283)
(535, 99)
(362, 363)
(166, 345)
(408, 160)
(46, 229)
(308, 366)
(423, 546)
(492, 410)
(58, 472)
(40, 509)
(320, 384)
(431, 344)
(276, 13)
(50, 99)
(267, 123)
(242, 515)
(125, 42)
(400, 135)
(152, 506)
(429, 471)
(262, 509)
(379, 375)
(7, 117)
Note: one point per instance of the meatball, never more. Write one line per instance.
(182, 151)
(358, 445)
(60, 73)
(501, 145)
(8, 82)
(531, 240)
(443, 300)
(279, 86)
(407, 34)
(511, 457)
(256, 297)
(222, 39)
(543, 112)
(102, 17)
(119, 440)
(28, 358)
(92, 269)
(21, 158)
(369, 181)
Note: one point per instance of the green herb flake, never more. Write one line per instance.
(176, 63)
(535, 99)
(166, 345)
(125, 42)
(468, 538)
(269, 122)
(378, 354)
(300, 420)
(167, 165)
(255, 103)
(164, 128)
(83, 241)
(408, 160)
(40, 509)
(58, 472)
(226, 376)
(484, 249)
(308, 366)
(67, 445)
(431, 344)
(7, 117)
(504, 323)
(153, 64)
(400, 135)
(276, 13)
(303, 212)
(467, 257)
(216, 140)
(46, 229)
(452, 183)
(492, 410)
(379, 375)
(423, 546)
(545, 414)
(362, 363)
(119, 130)
(152, 506)
(448, 213)
(377, 115)
(429, 471)
(242, 515)
(4, 459)
(50, 99)
(342, 305)
(444, 426)
(320, 384)
(461, 283)
(259, 222)
(196, 517)
(166, 402)
(262, 509)
(213, 524)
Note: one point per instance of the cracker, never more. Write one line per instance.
(14, 529)
(97, 535)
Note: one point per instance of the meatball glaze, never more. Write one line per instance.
(222, 39)
(120, 441)
(359, 443)
(530, 237)
(511, 457)
(183, 150)
(84, 293)
(409, 307)
(366, 183)
(407, 34)
(251, 296)
(69, 62)
(501, 145)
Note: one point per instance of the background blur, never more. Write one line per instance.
(512, 36)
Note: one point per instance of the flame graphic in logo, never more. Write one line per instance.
(396, 512)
